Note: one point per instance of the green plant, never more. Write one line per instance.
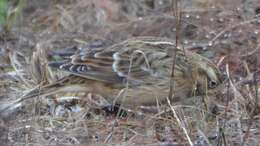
(3, 11)
(8, 17)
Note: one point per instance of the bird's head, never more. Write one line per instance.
(208, 76)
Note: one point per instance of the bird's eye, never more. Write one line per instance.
(212, 84)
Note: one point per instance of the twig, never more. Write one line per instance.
(222, 128)
(232, 27)
(252, 112)
(179, 122)
(177, 13)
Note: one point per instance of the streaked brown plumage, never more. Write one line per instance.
(135, 72)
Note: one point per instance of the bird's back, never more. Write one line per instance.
(142, 66)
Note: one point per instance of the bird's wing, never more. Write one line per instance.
(130, 59)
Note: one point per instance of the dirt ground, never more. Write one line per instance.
(230, 30)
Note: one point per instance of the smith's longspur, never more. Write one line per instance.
(134, 72)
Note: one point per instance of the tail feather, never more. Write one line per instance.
(40, 91)
(9, 106)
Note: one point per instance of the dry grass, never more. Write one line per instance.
(229, 29)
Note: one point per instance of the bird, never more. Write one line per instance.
(134, 72)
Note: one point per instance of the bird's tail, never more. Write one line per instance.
(39, 73)
(62, 87)
(39, 91)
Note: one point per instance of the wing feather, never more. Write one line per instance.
(130, 59)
